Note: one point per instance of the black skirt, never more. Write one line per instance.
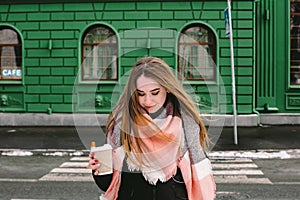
(135, 187)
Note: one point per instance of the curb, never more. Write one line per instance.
(252, 154)
(43, 152)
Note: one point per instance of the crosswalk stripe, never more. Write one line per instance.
(71, 170)
(228, 170)
(74, 164)
(79, 158)
(67, 177)
(237, 172)
(243, 180)
(229, 160)
(233, 166)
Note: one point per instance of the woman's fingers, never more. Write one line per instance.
(92, 161)
(92, 154)
(95, 167)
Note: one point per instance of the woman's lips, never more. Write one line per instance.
(148, 107)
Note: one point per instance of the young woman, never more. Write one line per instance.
(158, 141)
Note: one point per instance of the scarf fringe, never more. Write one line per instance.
(151, 176)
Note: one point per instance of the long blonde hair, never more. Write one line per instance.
(128, 107)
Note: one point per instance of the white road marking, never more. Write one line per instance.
(17, 180)
(67, 177)
(233, 166)
(74, 164)
(237, 171)
(71, 170)
(85, 158)
(33, 199)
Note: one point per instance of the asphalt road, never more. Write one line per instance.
(249, 138)
(241, 175)
(65, 177)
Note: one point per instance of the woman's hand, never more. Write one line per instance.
(93, 163)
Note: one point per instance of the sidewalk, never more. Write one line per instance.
(71, 140)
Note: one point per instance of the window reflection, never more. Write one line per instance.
(99, 52)
(197, 47)
(295, 42)
(10, 54)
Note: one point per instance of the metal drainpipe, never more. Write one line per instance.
(254, 66)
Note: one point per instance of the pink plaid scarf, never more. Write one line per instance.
(161, 157)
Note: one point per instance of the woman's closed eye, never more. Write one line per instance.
(155, 93)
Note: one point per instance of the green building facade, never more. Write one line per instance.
(74, 56)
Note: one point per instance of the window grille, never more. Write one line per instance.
(295, 42)
(10, 54)
(197, 53)
(99, 54)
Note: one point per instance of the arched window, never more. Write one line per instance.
(10, 54)
(99, 54)
(295, 42)
(197, 53)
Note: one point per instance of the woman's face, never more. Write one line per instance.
(151, 95)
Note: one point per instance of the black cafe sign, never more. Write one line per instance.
(11, 73)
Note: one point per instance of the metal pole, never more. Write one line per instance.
(232, 75)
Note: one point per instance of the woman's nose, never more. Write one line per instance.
(147, 100)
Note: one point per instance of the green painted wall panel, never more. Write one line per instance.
(183, 15)
(51, 62)
(209, 15)
(136, 15)
(161, 15)
(150, 24)
(113, 15)
(38, 71)
(124, 24)
(69, 80)
(63, 52)
(51, 7)
(78, 7)
(148, 5)
(38, 34)
(38, 16)
(65, 16)
(64, 108)
(31, 98)
(51, 80)
(62, 71)
(24, 8)
(32, 80)
(37, 89)
(63, 24)
(51, 26)
(62, 89)
(28, 25)
(70, 62)
(121, 6)
(74, 25)
(176, 6)
(51, 98)
(41, 108)
(68, 99)
(62, 34)
(16, 17)
(85, 16)
(32, 62)
(10, 88)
